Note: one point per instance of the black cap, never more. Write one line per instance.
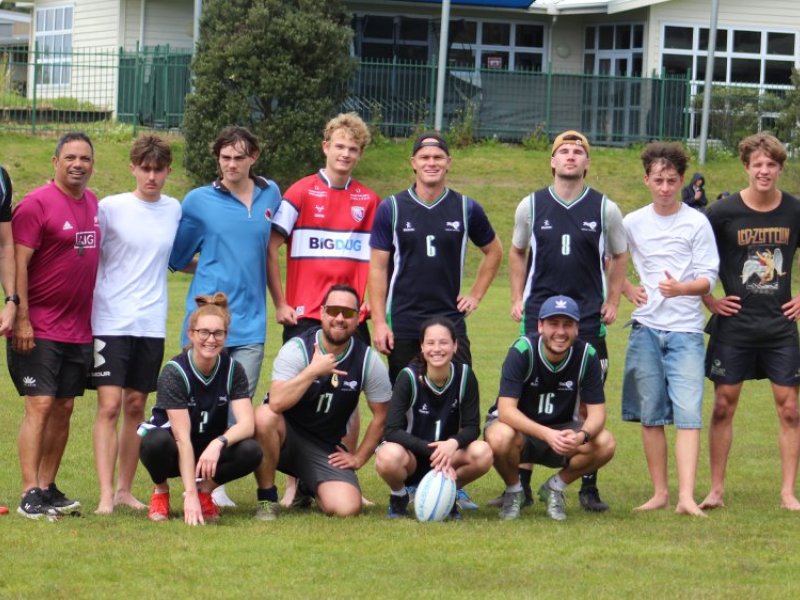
(430, 138)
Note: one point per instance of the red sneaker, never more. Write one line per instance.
(210, 510)
(3, 510)
(159, 506)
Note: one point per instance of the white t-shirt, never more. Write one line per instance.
(683, 244)
(130, 295)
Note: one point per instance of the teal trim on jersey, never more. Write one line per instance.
(523, 346)
(563, 202)
(588, 350)
(464, 239)
(231, 369)
(439, 390)
(199, 373)
(413, 194)
(413, 379)
(603, 237)
(550, 366)
(463, 386)
(396, 258)
(339, 357)
(179, 369)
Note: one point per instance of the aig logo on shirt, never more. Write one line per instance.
(85, 239)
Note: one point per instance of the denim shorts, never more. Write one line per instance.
(664, 375)
(250, 356)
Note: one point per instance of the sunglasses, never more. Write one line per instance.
(345, 311)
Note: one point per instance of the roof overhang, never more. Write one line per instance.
(577, 7)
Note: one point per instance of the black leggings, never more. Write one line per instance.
(159, 454)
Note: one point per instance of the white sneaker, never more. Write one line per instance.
(220, 497)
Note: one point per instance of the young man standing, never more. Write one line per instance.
(325, 220)
(57, 239)
(570, 230)
(317, 380)
(7, 267)
(423, 233)
(675, 256)
(228, 223)
(536, 420)
(753, 328)
(129, 316)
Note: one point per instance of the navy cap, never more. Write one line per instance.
(430, 138)
(560, 306)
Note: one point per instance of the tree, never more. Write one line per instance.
(277, 67)
(787, 125)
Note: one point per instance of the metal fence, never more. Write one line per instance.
(45, 90)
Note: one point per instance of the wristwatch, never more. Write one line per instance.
(12, 298)
(223, 440)
(586, 436)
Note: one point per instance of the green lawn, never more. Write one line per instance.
(746, 550)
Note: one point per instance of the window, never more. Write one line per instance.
(741, 55)
(614, 50)
(53, 37)
(390, 38)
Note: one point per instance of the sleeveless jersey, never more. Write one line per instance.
(209, 398)
(430, 243)
(325, 408)
(567, 250)
(551, 394)
(435, 414)
(327, 231)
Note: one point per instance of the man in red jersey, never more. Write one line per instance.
(325, 220)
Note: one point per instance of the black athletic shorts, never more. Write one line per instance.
(127, 361)
(733, 364)
(537, 451)
(57, 369)
(307, 460)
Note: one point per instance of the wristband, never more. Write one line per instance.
(223, 440)
(586, 436)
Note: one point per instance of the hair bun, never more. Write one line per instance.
(215, 299)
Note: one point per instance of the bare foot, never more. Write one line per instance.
(689, 508)
(289, 494)
(106, 507)
(712, 501)
(127, 499)
(653, 504)
(365, 502)
(790, 503)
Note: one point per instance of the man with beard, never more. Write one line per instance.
(570, 230)
(536, 420)
(317, 379)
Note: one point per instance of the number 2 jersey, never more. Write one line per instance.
(422, 412)
(548, 393)
(327, 231)
(428, 244)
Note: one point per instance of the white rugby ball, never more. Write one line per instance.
(434, 497)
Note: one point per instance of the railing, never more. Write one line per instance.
(48, 91)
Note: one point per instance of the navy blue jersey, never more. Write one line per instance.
(6, 192)
(422, 412)
(551, 394)
(182, 385)
(323, 411)
(428, 243)
(567, 251)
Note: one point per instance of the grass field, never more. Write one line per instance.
(746, 550)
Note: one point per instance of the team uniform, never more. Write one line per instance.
(182, 385)
(549, 394)
(232, 241)
(316, 424)
(6, 193)
(568, 243)
(327, 230)
(129, 314)
(422, 412)
(663, 380)
(428, 244)
(65, 236)
(757, 251)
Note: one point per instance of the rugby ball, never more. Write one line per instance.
(434, 497)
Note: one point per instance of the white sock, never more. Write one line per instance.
(556, 483)
(220, 497)
(400, 493)
(514, 487)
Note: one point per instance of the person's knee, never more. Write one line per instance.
(786, 405)
(155, 444)
(134, 404)
(267, 421)
(724, 406)
(338, 500)
(606, 446)
(62, 409)
(481, 455)
(389, 458)
(250, 454)
(500, 437)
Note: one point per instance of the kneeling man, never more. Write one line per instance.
(547, 382)
(317, 379)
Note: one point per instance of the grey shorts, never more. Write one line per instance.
(307, 460)
(538, 451)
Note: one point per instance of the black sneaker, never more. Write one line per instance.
(590, 500)
(33, 506)
(528, 501)
(454, 515)
(398, 506)
(56, 498)
(302, 497)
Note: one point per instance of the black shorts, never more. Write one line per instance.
(307, 460)
(733, 364)
(56, 369)
(304, 324)
(538, 451)
(127, 361)
(405, 351)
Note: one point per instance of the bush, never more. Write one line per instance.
(735, 113)
(277, 67)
